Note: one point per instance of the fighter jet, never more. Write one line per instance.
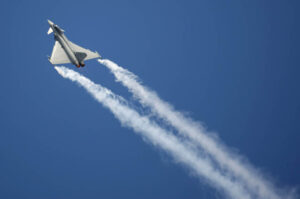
(64, 51)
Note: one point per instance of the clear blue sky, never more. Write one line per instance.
(234, 65)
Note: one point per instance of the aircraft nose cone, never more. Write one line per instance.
(50, 22)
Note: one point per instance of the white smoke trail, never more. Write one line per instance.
(158, 136)
(228, 161)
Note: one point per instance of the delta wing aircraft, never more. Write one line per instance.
(64, 51)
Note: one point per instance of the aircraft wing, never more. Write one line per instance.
(58, 55)
(90, 54)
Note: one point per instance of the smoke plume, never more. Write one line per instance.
(228, 162)
(181, 151)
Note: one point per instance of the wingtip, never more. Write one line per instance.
(50, 60)
(99, 55)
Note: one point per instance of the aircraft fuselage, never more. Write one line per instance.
(62, 39)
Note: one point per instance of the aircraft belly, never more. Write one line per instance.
(68, 51)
